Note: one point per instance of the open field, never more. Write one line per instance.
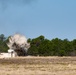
(38, 66)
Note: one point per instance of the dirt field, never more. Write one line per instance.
(38, 66)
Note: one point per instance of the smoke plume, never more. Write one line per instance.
(19, 44)
(5, 3)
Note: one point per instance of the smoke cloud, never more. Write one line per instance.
(19, 44)
(5, 3)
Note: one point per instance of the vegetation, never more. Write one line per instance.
(38, 66)
(41, 46)
(3, 45)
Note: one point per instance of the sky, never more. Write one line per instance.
(32, 18)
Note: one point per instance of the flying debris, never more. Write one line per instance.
(19, 44)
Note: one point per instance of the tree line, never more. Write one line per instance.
(41, 46)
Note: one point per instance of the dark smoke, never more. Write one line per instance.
(15, 1)
(5, 3)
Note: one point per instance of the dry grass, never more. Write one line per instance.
(38, 66)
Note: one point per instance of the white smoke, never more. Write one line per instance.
(18, 42)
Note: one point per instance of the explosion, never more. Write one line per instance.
(19, 44)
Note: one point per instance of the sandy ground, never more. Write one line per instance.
(38, 66)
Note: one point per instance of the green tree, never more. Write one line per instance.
(2, 37)
(3, 45)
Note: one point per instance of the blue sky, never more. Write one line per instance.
(32, 18)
